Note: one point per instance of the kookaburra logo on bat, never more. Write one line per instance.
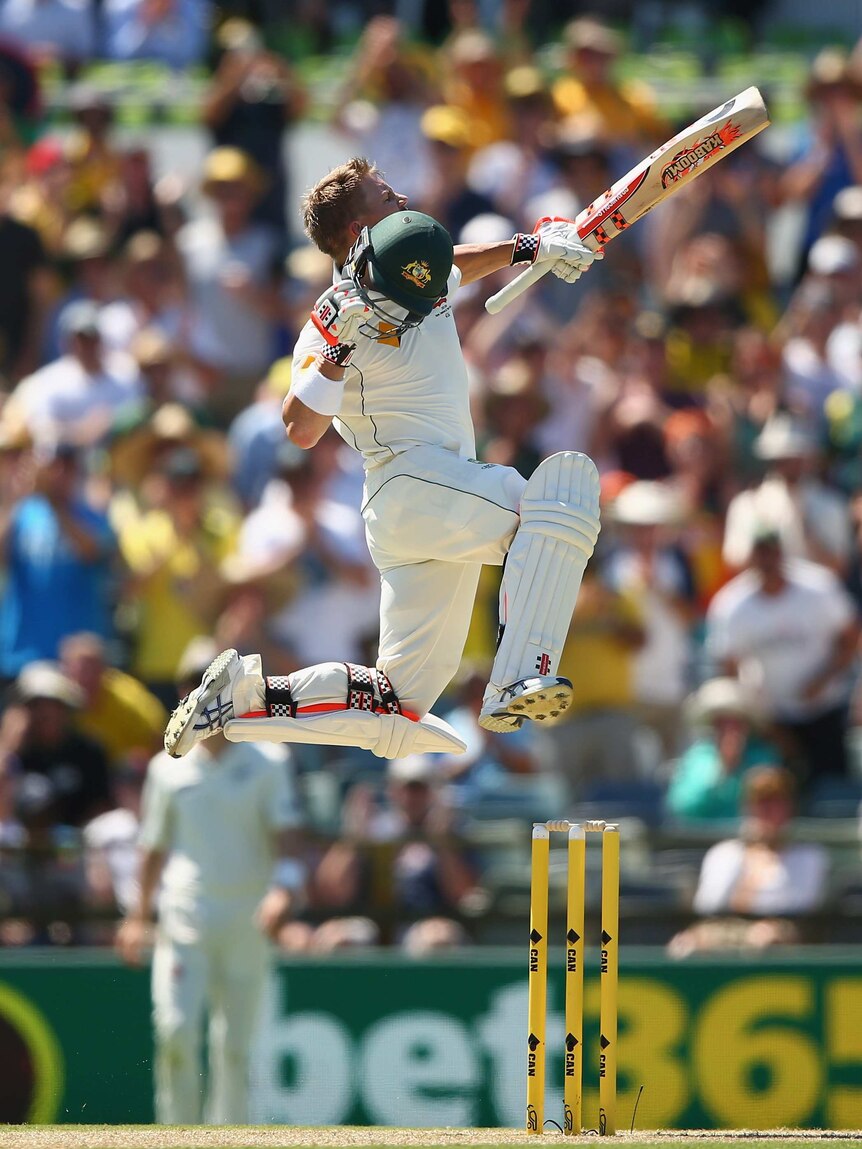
(693, 157)
(417, 272)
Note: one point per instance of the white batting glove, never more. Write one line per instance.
(339, 313)
(557, 240)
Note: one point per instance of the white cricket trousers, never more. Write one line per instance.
(432, 520)
(221, 975)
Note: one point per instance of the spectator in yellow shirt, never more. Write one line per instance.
(598, 741)
(117, 711)
(623, 113)
(174, 553)
(475, 84)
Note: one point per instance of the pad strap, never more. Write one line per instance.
(360, 688)
(279, 699)
(361, 681)
(388, 697)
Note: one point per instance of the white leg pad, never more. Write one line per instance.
(545, 565)
(386, 735)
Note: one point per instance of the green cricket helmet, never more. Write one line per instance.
(408, 258)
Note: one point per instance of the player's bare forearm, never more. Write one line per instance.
(304, 427)
(476, 260)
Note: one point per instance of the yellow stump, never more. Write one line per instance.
(537, 987)
(609, 979)
(574, 1050)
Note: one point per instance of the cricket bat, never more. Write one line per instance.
(672, 166)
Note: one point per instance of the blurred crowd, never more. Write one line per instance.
(711, 365)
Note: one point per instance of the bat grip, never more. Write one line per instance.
(512, 290)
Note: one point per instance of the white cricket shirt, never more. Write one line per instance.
(215, 818)
(781, 641)
(402, 393)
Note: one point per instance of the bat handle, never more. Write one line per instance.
(519, 285)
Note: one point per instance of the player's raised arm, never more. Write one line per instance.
(552, 241)
(320, 360)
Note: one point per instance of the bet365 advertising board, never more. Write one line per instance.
(390, 1041)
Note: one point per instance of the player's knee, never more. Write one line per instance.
(176, 1041)
(513, 487)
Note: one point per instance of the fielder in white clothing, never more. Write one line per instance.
(216, 829)
(380, 359)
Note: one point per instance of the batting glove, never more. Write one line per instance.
(557, 240)
(340, 313)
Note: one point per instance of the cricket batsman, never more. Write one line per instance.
(380, 359)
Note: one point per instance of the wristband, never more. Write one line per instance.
(312, 387)
(525, 248)
(289, 874)
(338, 353)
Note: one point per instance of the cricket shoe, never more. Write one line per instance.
(542, 699)
(231, 686)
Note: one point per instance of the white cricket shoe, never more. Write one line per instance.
(230, 687)
(543, 699)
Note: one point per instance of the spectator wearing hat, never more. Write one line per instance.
(116, 710)
(474, 72)
(253, 98)
(830, 159)
(816, 359)
(790, 632)
(39, 736)
(698, 452)
(94, 160)
(151, 294)
(844, 341)
(388, 87)
(729, 740)
(515, 171)
(137, 454)
(58, 550)
(447, 195)
(514, 409)
(231, 267)
(624, 113)
(164, 376)
(84, 257)
(647, 563)
(174, 552)
(754, 889)
(81, 395)
(811, 520)
(176, 32)
(411, 826)
(763, 873)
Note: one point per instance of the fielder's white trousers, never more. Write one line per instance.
(432, 520)
(221, 975)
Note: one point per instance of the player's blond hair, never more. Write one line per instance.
(330, 206)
